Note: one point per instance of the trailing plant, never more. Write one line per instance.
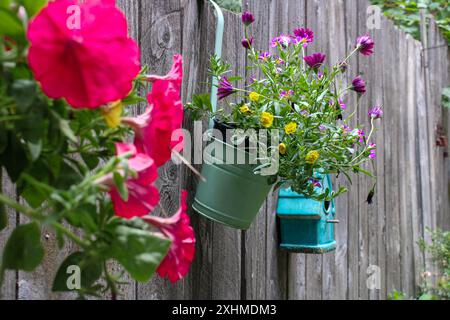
(302, 99)
(406, 14)
(66, 82)
(232, 5)
(433, 285)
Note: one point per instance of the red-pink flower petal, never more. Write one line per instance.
(154, 129)
(89, 66)
(175, 75)
(143, 196)
(178, 261)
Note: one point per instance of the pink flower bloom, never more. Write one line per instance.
(316, 183)
(359, 85)
(361, 135)
(304, 36)
(177, 228)
(264, 56)
(154, 128)
(315, 61)
(248, 18)
(373, 151)
(88, 65)
(247, 43)
(365, 45)
(282, 40)
(342, 104)
(376, 113)
(175, 75)
(143, 196)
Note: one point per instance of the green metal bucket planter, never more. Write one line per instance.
(232, 194)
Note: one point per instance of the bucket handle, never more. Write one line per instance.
(218, 52)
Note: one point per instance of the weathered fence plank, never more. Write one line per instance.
(413, 175)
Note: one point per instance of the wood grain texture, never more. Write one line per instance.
(412, 192)
(8, 289)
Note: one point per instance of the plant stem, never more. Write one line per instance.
(34, 215)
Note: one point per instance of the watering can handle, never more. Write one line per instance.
(218, 53)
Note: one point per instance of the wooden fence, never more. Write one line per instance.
(413, 173)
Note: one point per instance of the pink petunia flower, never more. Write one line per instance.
(143, 196)
(177, 228)
(154, 128)
(89, 63)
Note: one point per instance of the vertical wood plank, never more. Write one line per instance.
(8, 289)
(160, 30)
(297, 262)
(351, 10)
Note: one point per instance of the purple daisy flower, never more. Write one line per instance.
(248, 18)
(373, 151)
(282, 40)
(365, 45)
(342, 104)
(225, 88)
(316, 183)
(343, 66)
(315, 61)
(322, 128)
(247, 43)
(286, 94)
(264, 56)
(304, 35)
(304, 113)
(346, 129)
(376, 113)
(359, 85)
(361, 135)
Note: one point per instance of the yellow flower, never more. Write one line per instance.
(312, 157)
(290, 128)
(282, 148)
(254, 96)
(266, 119)
(244, 109)
(113, 114)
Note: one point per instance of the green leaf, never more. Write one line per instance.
(24, 250)
(90, 272)
(139, 251)
(33, 6)
(35, 149)
(14, 158)
(90, 160)
(24, 92)
(3, 217)
(5, 3)
(446, 97)
(119, 181)
(65, 128)
(11, 26)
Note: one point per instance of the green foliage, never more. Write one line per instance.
(56, 156)
(24, 250)
(232, 5)
(290, 94)
(433, 286)
(406, 14)
(446, 97)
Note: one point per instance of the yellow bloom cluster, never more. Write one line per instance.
(290, 128)
(254, 96)
(266, 119)
(282, 148)
(312, 157)
(245, 109)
